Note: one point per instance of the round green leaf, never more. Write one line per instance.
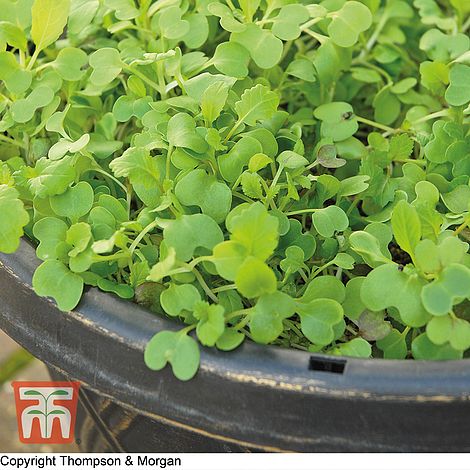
(54, 279)
(353, 18)
(231, 58)
(265, 48)
(318, 317)
(329, 220)
(178, 349)
(76, 202)
(254, 278)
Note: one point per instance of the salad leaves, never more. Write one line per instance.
(292, 172)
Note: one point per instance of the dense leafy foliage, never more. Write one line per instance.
(289, 171)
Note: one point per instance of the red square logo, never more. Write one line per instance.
(46, 411)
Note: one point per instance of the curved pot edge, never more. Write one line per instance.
(111, 315)
(108, 325)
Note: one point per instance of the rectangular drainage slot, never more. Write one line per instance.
(336, 366)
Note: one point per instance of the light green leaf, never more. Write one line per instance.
(189, 232)
(179, 298)
(338, 120)
(213, 100)
(49, 19)
(265, 48)
(256, 104)
(211, 323)
(163, 267)
(51, 233)
(178, 349)
(366, 245)
(287, 22)
(324, 287)
(232, 163)
(393, 345)
(76, 202)
(231, 58)
(318, 317)
(254, 278)
(106, 64)
(455, 331)
(14, 218)
(458, 93)
(357, 347)
(329, 220)
(182, 133)
(409, 287)
(198, 188)
(424, 349)
(54, 279)
(353, 18)
(257, 230)
(452, 286)
(267, 315)
(69, 63)
(406, 226)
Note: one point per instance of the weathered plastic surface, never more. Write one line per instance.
(254, 399)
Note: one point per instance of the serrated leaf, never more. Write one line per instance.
(256, 103)
(254, 278)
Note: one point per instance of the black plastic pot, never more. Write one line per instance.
(255, 399)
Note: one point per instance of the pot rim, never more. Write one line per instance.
(256, 397)
(273, 365)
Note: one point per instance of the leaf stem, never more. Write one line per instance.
(310, 23)
(302, 211)
(376, 124)
(242, 323)
(141, 235)
(168, 162)
(12, 141)
(438, 114)
(144, 78)
(105, 173)
(375, 35)
(187, 330)
(233, 130)
(242, 197)
(412, 160)
(204, 285)
(462, 227)
(33, 59)
(272, 186)
(405, 331)
(224, 288)
(466, 25)
(113, 257)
